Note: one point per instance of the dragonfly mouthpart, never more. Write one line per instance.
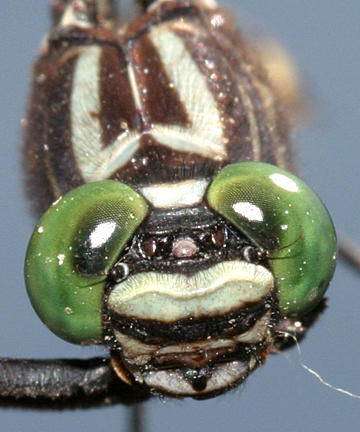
(193, 335)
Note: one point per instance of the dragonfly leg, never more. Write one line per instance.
(349, 251)
(62, 383)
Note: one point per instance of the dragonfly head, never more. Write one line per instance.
(186, 297)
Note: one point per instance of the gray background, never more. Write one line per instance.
(324, 37)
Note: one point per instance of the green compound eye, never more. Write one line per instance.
(71, 249)
(285, 218)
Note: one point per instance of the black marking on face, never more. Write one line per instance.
(210, 238)
(190, 329)
(197, 377)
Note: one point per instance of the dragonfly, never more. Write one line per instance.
(258, 250)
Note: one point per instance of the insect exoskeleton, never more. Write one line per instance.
(190, 239)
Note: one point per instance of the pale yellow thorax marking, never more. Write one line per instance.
(205, 135)
(94, 161)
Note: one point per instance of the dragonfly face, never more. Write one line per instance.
(190, 244)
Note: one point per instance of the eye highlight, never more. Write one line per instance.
(71, 250)
(280, 214)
